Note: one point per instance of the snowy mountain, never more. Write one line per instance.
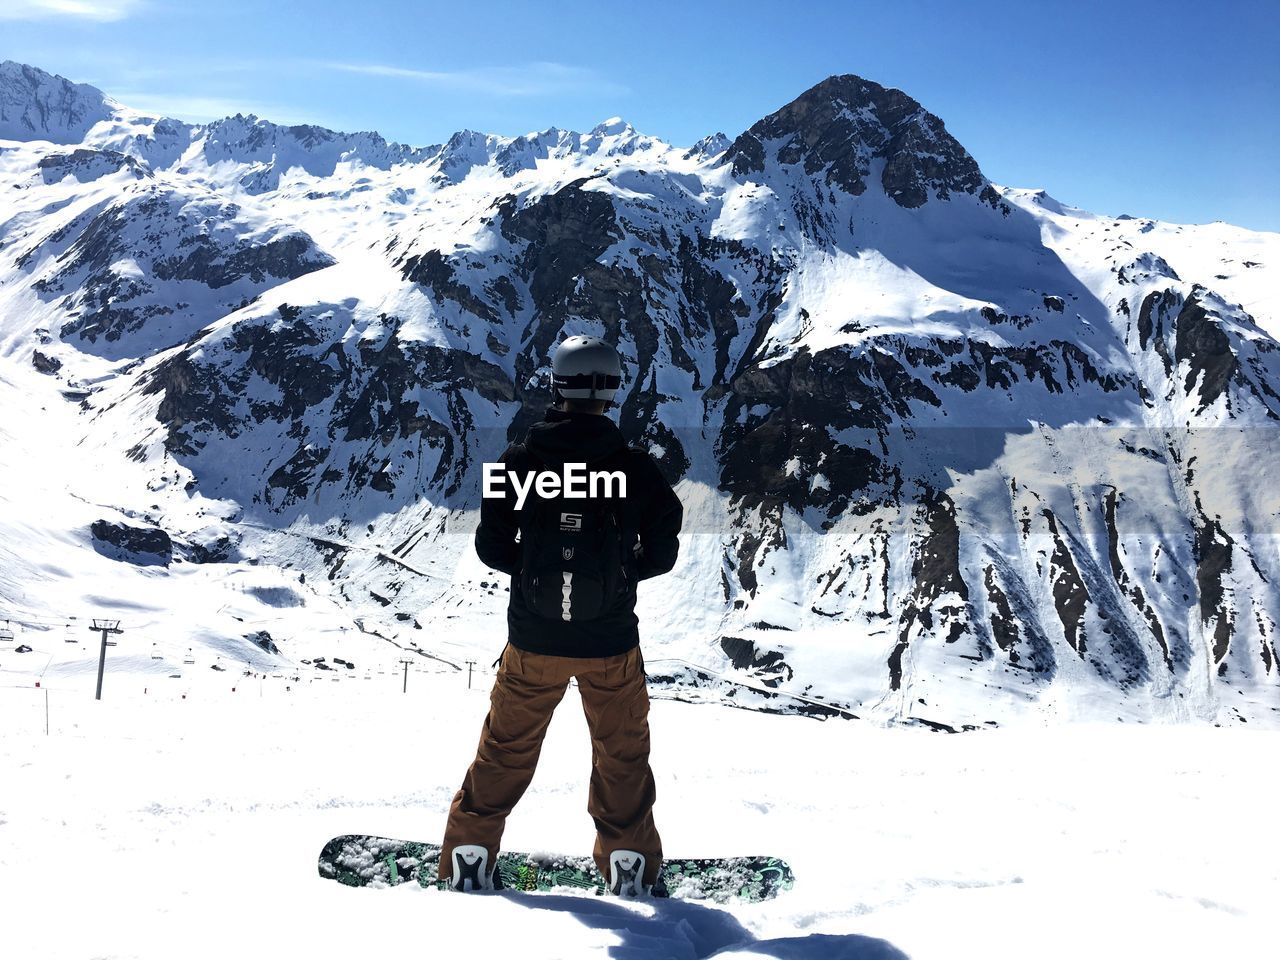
(951, 453)
(38, 105)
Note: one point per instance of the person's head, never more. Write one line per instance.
(586, 373)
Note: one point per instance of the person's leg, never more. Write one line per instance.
(622, 793)
(527, 689)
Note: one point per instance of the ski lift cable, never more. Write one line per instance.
(38, 621)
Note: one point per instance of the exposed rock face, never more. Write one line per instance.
(777, 427)
(711, 145)
(1189, 333)
(562, 239)
(1014, 625)
(936, 577)
(563, 235)
(1213, 561)
(219, 550)
(35, 105)
(841, 126)
(114, 270)
(768, 665)
(1206, 350)
(1176, 655)
(135, 544)
(352, 417)
(435, 271)
(88, 165)
(263, 640)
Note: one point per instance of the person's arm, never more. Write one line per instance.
(660, 520)
(496, 535)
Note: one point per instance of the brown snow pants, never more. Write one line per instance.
(527, 690)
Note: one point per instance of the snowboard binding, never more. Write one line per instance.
(626, 874)
(470, 869)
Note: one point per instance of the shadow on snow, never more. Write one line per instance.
(683, 930)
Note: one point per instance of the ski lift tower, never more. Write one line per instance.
(106, 628)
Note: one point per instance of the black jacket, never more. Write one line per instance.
(650, 513)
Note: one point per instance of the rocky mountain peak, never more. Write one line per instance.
(840, 126)
(38, 105)
(613, 127)
(709, 146)
(615, 137)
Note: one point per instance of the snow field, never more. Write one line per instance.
(155, 826)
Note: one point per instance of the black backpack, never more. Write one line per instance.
(573, 552)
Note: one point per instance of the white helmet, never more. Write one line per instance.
(586, 368)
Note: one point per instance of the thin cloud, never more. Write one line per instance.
(541, 78)
(102, 11)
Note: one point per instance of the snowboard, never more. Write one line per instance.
(363, 861)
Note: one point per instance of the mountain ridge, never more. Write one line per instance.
(946, 441)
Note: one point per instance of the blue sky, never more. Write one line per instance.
(1164, 109)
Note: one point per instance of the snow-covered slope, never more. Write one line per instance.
(951, 452)
(191, 827)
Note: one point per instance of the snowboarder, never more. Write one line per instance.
(574, 563)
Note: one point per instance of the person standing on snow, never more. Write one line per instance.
(574, 565)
